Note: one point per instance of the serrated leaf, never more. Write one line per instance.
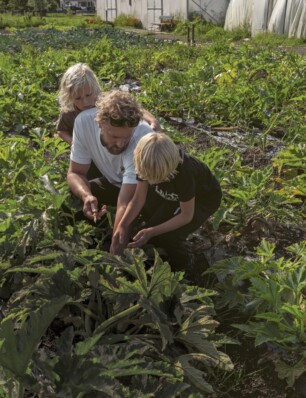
(160, 319)
(163, 282)
(295, 279)
(17, 346)
(195, 376)
(266, 250)
(290, 372)
(195, 330)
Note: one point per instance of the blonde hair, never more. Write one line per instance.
(74, 79)
(156, 158)
(118, 105)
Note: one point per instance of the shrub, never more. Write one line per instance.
(128, 20)
(200, 25)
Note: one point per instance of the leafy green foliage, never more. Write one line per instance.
(126, 326)
(128, 20)
(120, 339)
(16, 348)
(272, 291)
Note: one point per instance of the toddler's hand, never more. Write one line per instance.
(155, 125)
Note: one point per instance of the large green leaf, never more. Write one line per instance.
(160, 319)
(163, 282)
(290, 372)
(195, 331)
(17, 345)
(195, 376)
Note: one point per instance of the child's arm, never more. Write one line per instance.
(121, 234)
(65, 136)
(149, 118)
(183, 218)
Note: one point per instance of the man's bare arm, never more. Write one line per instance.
(77, 179)
(79, 185)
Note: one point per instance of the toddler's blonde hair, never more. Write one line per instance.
(156, 158)
(74, 79)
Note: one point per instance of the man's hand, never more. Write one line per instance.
(141, 238)
(91, 210)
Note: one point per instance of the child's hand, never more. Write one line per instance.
(119, 241)
(155, 125)
(141, 238)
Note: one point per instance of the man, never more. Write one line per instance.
(106, 135)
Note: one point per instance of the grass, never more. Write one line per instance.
(206, 31)
(60, 21)
(279, 40)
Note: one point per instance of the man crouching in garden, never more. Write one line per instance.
(106, 135)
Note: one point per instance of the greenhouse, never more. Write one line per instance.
(286, 17)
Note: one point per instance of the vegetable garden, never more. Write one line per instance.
(78, 322)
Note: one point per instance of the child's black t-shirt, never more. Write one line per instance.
(193, 179)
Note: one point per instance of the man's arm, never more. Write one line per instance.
(79, 185)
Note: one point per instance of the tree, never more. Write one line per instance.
(42, 6)
(17, 4)
(4, 4)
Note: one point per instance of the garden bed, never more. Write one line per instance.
(77, 320)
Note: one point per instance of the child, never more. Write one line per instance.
(176, 193)
(79, 90)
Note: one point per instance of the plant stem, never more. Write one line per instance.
(116, 318)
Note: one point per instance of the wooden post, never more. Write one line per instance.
(192, 35)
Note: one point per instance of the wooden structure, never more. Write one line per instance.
(166, 23)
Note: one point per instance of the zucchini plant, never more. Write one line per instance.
(271, 291)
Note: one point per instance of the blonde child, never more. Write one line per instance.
(79, 90)
(175, 193)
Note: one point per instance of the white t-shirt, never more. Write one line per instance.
(87, 147)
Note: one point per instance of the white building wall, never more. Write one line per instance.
(211, 10)
(139, 9)
(177, 8)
